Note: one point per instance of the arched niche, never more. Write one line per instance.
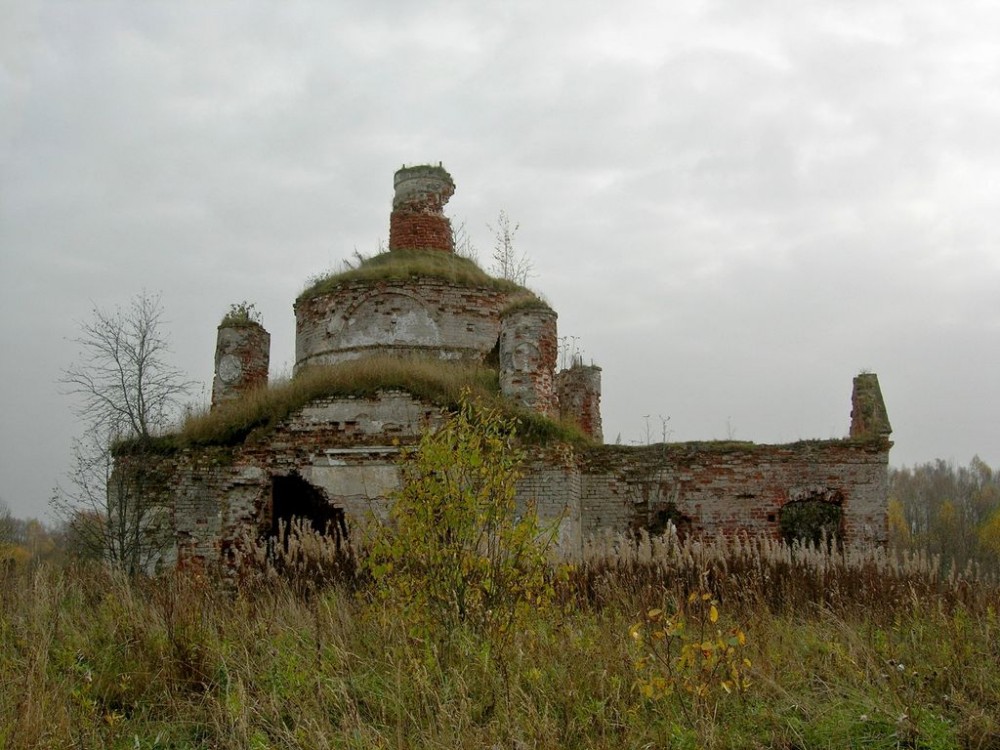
(812, 516)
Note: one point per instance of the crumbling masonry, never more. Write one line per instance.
(335, 458)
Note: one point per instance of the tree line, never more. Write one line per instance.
(24, 540)
(947, 510)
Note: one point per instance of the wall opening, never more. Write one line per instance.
(813, 519)
(668, 518)
(493, 356)
(293, 497)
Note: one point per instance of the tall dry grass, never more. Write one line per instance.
(257, 413)
(858, 649)
(750, 572)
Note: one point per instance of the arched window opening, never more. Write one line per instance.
(813, 520)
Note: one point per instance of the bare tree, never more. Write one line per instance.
(6, 524)
(507, 262)
(127, 394)
(125, 385)
(108, 510)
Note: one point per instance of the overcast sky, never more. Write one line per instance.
(734, 206)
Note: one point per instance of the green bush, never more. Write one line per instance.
(241, 315)
(454, 552)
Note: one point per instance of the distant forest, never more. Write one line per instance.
(947, 510)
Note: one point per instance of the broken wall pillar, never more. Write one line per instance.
(578, 389)
(242, 359)
(869, 418)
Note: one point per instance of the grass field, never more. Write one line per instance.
(856, 650)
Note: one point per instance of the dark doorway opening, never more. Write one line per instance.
(294, 498)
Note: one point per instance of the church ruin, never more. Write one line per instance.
(334, 459)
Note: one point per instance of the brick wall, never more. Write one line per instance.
(410, 230)
(723, 488)
(427, 316)
(551, 485)
(214, 495)
(707, 489)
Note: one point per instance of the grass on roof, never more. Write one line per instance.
(257, 413)
(525, 301)
(397, 265)
(241, 315)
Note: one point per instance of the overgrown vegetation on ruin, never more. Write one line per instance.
(857, 651)
(241, 315)
(525, 302)
(257, 413)
(399, 265)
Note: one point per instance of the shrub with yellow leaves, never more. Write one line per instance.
(688, 654)
(456, 551)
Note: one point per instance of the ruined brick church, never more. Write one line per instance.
(335, 458)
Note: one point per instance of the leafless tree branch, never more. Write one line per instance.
(126, 390)
(507, 262)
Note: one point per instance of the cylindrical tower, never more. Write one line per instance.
(579, 391)
(242, 358)
(418, 221)
(528, 347)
